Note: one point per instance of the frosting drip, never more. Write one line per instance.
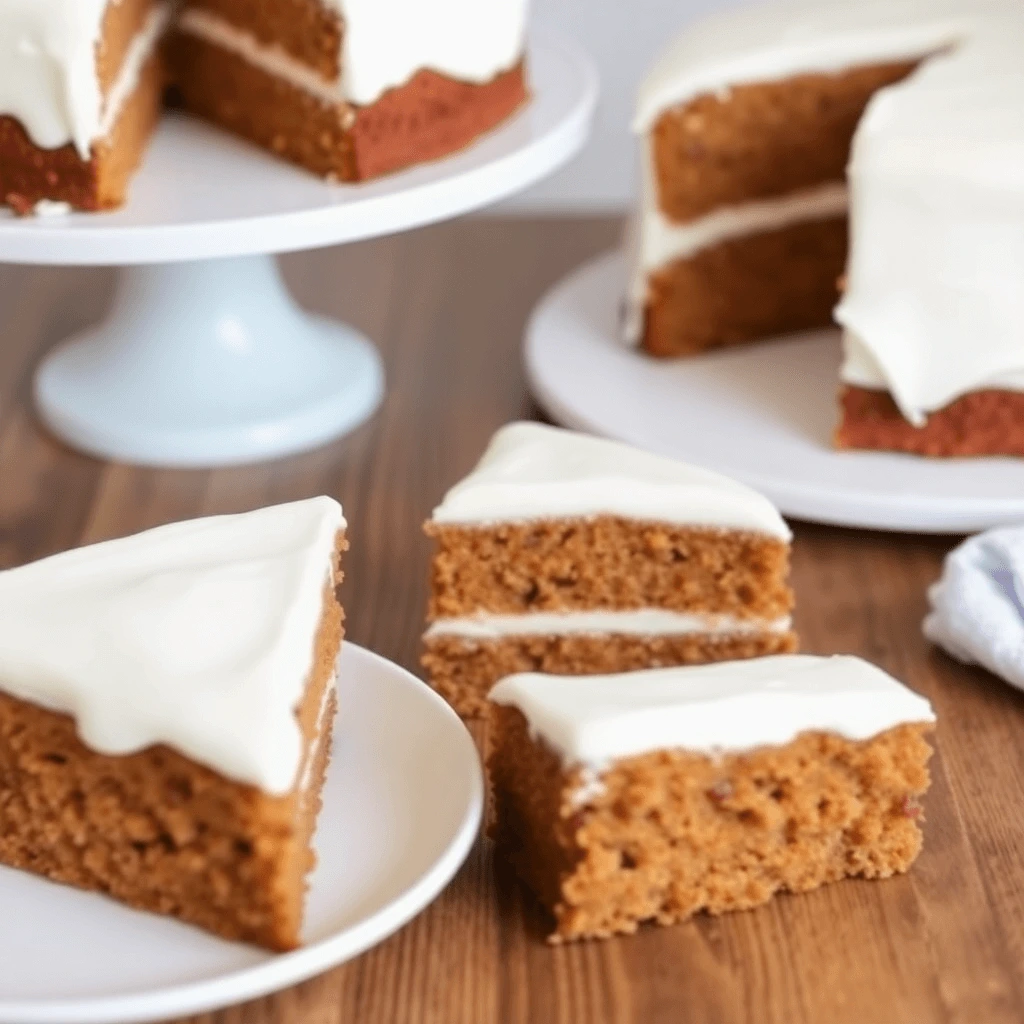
(48, 74)
(530, 471)
(386, 43)
(199, 635)
(730, 706)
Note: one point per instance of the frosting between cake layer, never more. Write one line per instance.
(594, 721)
(533, 472)
(199, 635)
(48, 75)
(639, 622)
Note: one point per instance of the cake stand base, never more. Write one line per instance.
(207, 363)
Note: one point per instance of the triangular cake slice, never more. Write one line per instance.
(166, 704)
(574, 555)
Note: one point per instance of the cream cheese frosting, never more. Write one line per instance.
(48, 75)
(385, 43)
(593, 721)
(635, 622)
(932, 307)
(198, 635)
(531, 471)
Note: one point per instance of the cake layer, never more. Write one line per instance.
(760, 140)
(667, 834)
(464, 670)
(757, 286)
(986, 422)
(608, 563)
(429, 117)
(159, 831)
(535, 472)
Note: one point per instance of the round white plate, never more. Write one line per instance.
(763, 414)
(202, 193)
(402, 806)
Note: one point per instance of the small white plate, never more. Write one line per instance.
(402, 806)
(763, 414)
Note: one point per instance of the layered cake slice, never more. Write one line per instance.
(81, 84)
(166, 705)
(351, 89)
(569, 554)
(653, 795)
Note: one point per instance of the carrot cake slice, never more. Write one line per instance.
(653, 795)
(166, 706)
(81, 85)
(570, 554)
(795, 146)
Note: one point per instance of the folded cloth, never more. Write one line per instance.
(978, 604)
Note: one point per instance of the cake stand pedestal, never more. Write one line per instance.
(204, 359)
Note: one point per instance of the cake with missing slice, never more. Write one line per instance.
(166, 706)
(653, 795)
(569, 554)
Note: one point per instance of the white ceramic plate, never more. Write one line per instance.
(402, 806)
(763, 414)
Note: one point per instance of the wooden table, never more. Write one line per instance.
(448, 306)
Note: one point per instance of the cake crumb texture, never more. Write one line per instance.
(606, 562)
(745, 289)
(987, 422)
(463, 671)
(160, 832)
(762, 140)
(668, 834)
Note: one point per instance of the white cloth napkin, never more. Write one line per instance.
(978, 604)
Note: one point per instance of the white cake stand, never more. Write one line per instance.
(763, 414)
(204, 359)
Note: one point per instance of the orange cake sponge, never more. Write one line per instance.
(166, 705)
(649, 796)
(569, 554)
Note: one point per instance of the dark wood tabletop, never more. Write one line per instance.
(447, 306)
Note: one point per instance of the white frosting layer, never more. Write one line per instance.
(932, 308)
(642, 622)
(48, 73)
(199, 635)
(387, 41)
(464, 39)
(730, 706)
(530, 471)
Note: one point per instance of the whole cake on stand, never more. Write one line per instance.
(205, 360)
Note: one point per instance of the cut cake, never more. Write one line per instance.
(166, 706)
(349, 89)
(565, 553)
(654, 795)
(790, 148)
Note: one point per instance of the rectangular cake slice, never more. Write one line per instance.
(568, 554)
(166, 705)
(352, 89)
(81, 85)
(650, 796)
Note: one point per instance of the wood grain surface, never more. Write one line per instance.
(448, 306)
